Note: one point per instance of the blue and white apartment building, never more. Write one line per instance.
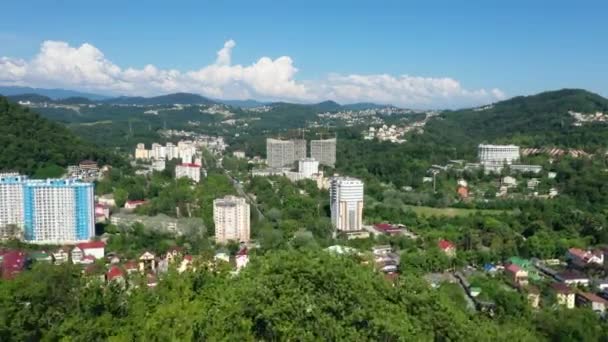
(52, 211)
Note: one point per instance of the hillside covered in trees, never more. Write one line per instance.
(31, 143)
(303, 295)
(535, 120)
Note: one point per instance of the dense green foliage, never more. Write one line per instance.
(284, 295)
(537, 120)
(30, 143)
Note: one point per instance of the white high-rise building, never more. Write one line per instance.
(324, 151)
(308, 167)
(172, 152)
(231, 218)
(11, 203)
(280, 153)
(346, 202)
(188, 170)
(498, 154)
(57, 211)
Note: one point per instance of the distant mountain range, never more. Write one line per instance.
(64, 96)
(54, 94)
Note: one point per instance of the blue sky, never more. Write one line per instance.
(512, 47)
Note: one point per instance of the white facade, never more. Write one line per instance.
(346, 201)
(324, 151)
(308, 167)
(141, 152)
(192, 171)
(11, 203)
(231, 218)
(506, 154)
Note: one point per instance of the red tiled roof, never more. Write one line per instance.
(13, 262)
(243, 252)
(188, 257)
(91, 244)
(131, 265)
(88, 257)
(513, 268)
(577, 252)
(136, 202)
(114, 272)
(190, 165)
(593, 297)
(386, 227)
(561, 288)
(445, 244)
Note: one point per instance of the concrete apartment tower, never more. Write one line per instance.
(346, 202)
(324, 151)
(280, 153)
(231, 218)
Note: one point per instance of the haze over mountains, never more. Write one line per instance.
(70, 97)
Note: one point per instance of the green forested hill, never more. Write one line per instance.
(539, 120)
(30, 142)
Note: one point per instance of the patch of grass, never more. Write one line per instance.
(452, 212)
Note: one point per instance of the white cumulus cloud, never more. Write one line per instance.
(58, 64)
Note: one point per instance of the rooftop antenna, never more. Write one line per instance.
(130, 128)
(165, 124)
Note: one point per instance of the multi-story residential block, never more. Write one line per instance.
(53, 211)
(192, 171)
(231, 218)
(11, 205)
(58, 211)
(346, 201)
(498, 154)
(308, 167)
(299, 149)
(280, 153)
(324, 151)
(141, 152)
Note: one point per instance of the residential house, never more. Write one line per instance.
(115, 274)
(564, 295)
(447, 247)
(107, 200)
(147, 262)
(517, 275)
(582, 258)
(185, 264)
(131, 267)
(61, 255)
(95, 249)
(173, 253)
(588, 299)
(572, 277)
(102, 213)
(388, 229)
(87, 260)
(131, 205)
(533, 295)
(77, 255)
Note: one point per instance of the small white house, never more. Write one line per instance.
(95, 249)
